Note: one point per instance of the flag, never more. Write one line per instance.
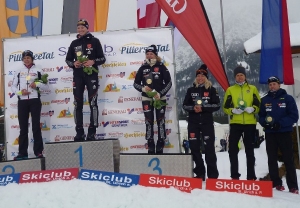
(94, 11)
(19, 18)
(148, 14)
(191, 20)
(177, 34)
(276, 56)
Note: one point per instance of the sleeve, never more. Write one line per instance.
(292, 115)
(256, 100)
(70, 58)
(214, 105)
(227, 103)
(14, 87)
(138, 80)
(100, 58)
(188, 103)
(42, 86)
(262, 113)
(167, 81)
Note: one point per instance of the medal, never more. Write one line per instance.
(28, 77)
(78, 53)
(199, 102)
(149, 81)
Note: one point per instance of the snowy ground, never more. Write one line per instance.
(88, 194)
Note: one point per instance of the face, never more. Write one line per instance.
(240, 78)
(201, 79)
(81, 30)
(150, 55)
(27, 60)
(274, 86)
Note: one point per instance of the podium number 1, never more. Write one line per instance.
(156, 167)
(79, 150)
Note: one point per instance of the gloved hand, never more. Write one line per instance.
(276, 126)
(237, 111)
(249, 110)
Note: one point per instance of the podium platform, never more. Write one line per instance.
(12, 167)
(166, 164)
(94, 155)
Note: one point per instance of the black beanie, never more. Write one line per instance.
(273, 79)
(202, 70)
(83, 22)
(239, 69)
(27, 53)
(152, 49)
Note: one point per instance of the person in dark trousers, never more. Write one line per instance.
(200, 102)
(241, 103)
(28, 89)
(153, 75)
(278, 113)
(89, 46)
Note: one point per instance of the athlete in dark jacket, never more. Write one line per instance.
(153, 75)
(278, 113)
(200, 102)
(85, 45)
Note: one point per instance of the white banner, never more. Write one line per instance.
(120, 107)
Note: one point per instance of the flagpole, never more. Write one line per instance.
(297, 130)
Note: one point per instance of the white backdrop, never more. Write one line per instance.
(120, 109)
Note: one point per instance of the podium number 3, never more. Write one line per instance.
(79, 150)
(156, 167)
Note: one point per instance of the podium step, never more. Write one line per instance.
(12, 167)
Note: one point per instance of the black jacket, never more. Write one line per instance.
(89, 46)
(210, 103)
(161, 81)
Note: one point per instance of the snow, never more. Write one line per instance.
(78, 194)
(254, 44)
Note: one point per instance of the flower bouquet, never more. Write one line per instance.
(156, 103)
(87, 69)
(43, 80)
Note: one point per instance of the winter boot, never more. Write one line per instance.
(160, 146)
(21, 157)
(91, 134)
(80, 136)
(294, 191)
(151, 146)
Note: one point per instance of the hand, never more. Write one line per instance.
(25, 92)
(157, 96)
(249, 110)
(77, 64)
(197, 108)
(148, 89)
(33, 85)
(88, 63)
(237, 111)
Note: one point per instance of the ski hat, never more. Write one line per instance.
(202, 70)
(273, 79)
(239, 69)
(83, 22)
(152, 49)
(27, 53)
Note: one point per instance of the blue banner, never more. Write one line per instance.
(7, 179)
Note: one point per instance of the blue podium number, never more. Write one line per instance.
(79, 150)
(156, 167)
(10, 167)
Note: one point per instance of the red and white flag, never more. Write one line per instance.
(148, 13)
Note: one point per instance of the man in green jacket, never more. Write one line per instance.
(241, 103)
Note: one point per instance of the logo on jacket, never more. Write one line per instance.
(206, 94)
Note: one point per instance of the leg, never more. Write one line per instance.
(272, 151)
(78, 88)
(234, 138)
(249, 135)
(286, 148)
(23, 116)
(35, 110)
(160, 119)
(92, 87)
(208, 136)
(149, 120)
(194, 142)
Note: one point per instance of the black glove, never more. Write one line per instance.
(267, 125)
(276, 126)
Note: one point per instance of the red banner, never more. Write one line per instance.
(258, 188)
(190, 18)
(148, 14)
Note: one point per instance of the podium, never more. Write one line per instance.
(166, 164)
(94, 155)
(12, 167)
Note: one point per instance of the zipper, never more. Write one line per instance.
(244, 101)
(27, 82)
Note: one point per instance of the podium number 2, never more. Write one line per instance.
(156, 167)
(79, 150)
(9, 167)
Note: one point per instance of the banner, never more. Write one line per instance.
(148, 14)
(120, 107)
(191, 20)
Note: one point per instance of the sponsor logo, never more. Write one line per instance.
(7, 179)
(49, 175)
(45, 92)
(138, 121)
(133, 48)
(136, 62)
(107, 112)
(168, 96)
(115, 134)
(11, 94)
(181, 183)
(63, 138)
(127, 87)
(121, 75)
(260, 188)
(111, 88)
(52, 80)
(121, 99)
(178, 6)
(132, 75)
(46, 103)
(169, 108)
(101, 136)
(44, 126)
(15, 127)
(134, 134)
(13, 116)
(109, 50)
(48, 70)
(66, 100)
(10, 83)
(13, 105)
(140, 146)
(113, 179)
(61, 126)
(123, 149)
(85, 113)
(137, 110)
(65, 114)
(114, 64)
(105, 101)
(65, 90)
(17, 56)
(123, 123)
(16, 142)
(66, 79)
(66, 68)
